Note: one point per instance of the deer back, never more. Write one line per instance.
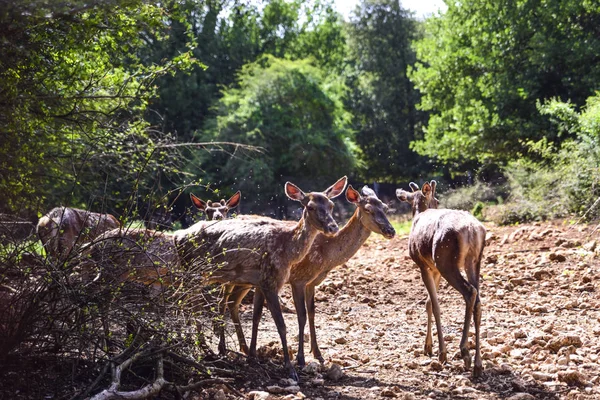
(445, 232)
(63, 227)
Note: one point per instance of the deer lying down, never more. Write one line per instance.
(64, 227)
(325, 254)
(259, 252)
(442, 243)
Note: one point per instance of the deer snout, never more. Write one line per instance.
(389, 232)
(217, 216)
(331, 228)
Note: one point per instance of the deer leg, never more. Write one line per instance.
(310, 305)
(219, 326)
(470, 294)
(431, 279)
(299, 302)
(257, 309)
(473, 277)
(276, 313)
(234, 309)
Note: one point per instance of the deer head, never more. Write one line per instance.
(419, 199)
(371, 211)
(217, 210)
(317, 205)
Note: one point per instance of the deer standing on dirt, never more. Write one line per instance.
(64, 227)
(260, 252)
(325, 254)
(442, 243)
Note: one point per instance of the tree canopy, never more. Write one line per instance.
(483, 65)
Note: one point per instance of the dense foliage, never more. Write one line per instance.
(483, 65)
(74, 94)
(382, 98)
(292, 110)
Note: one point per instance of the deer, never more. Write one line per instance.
(325, 254)
(443, 242)
(64, 227)
(260, 252)
(217, 210)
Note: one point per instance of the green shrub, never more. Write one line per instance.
(562, 181)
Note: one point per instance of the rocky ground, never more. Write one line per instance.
(540, 325)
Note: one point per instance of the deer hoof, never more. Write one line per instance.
(477, 371)
(443, 357)
(464, 354)
(300, 360)
(428, 349)
(294, 374)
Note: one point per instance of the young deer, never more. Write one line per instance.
(325, 254)
(217, 210)
(64, 227)
(259, 252)
(442, 243)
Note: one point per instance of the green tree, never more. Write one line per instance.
(74, 92)
(383, 99)
(484, 64)
(294, 111)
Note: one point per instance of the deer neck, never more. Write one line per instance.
(340, 248)
(303, 236)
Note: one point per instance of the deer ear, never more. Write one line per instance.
(433, 186)
(352, 195)
(234, 200)
(294, 192)
(367, 191)
(403, 195)
(413, 186)
(337, 188)
(426, 189)
(198, 202)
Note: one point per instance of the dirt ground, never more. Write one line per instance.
(539, 328)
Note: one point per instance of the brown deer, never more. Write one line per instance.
(217, 210)
(259, 252)
(325, 254)
(64, 227)
(442, 243)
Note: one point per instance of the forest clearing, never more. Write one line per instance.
(125, 125)
(540, 323)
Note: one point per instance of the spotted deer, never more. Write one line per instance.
(442, 243)
(260, 252)
(325, 254)
(64, 227)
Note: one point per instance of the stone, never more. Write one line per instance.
(312, 368)
(335, 372)
(259, 395)
(564, 341)
(436, 366)
(521, 396)
(275, 389)
(572, 377)
(541, 376)
(220, 395)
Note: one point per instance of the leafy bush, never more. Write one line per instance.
(564, 180)
(467, 197)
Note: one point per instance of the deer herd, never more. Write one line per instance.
(264, 254)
